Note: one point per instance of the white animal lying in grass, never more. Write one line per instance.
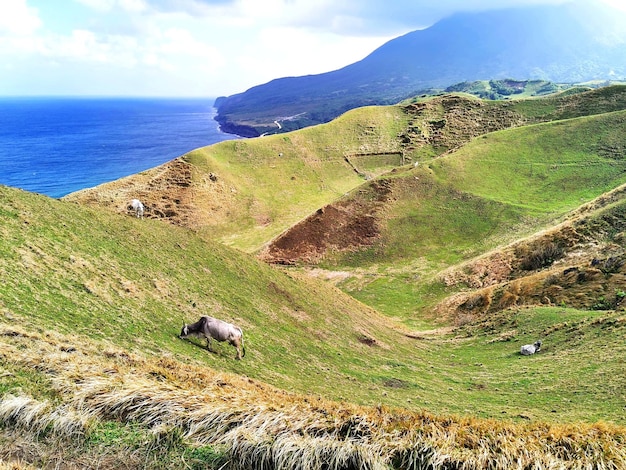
(529, 349)
(137, 206)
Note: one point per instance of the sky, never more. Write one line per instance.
(200, 48)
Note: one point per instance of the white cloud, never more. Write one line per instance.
(18, 19)
(179, 47)
(287, 51)
(619, 4)
(101, 5)
(133, 5)
(180, 41)
(346, 17)
(108, 5)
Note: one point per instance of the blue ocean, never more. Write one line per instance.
(55, 146)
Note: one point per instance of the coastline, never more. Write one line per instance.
(239, 130)
(55, 146)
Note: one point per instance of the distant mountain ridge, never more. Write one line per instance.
(568, 43)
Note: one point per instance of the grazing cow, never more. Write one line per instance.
(137, 206)
(212, 328)
(529, 349)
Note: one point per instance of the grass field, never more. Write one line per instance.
(87, 279)
(281, 179)
(496, 189)
(370, 376)
(115, 408)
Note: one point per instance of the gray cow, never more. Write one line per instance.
(212, 328)
(529, 349)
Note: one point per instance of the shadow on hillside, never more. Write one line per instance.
(201, 345)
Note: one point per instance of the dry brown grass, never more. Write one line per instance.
(577, 263)
(174, 191)
(15, 465)
(259, 426)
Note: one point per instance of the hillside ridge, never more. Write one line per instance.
(198, 190)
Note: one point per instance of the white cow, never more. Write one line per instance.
(529, 349)
(137, 206)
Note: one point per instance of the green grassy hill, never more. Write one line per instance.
(444, 270)
(507, 89)
(133, 282)
(261, 187)
(92, 302)
(246, 192)
(498, 188)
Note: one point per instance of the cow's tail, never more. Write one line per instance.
(243, 348)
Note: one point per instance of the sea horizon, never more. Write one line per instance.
(56, 145)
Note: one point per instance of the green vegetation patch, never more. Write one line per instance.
(499, 187)
(549, 167)
(579, 357)
(86, 277)
(281, 179)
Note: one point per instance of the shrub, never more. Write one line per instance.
(541, 255)
(552, 280)
(611, 265)
(604, 303)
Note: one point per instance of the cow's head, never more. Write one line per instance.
(184, 332)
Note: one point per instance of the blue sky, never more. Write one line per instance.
(197, 47)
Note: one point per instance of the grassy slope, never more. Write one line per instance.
(499, 187)
(64, 266)
(133, 283)
(106, 408)
(130, 283)
(263, 185)
(266, 185)
(281, 179)
(573, 103)
(547, 167)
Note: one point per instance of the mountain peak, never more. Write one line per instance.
(566, 43)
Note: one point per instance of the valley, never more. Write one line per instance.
(385, 268)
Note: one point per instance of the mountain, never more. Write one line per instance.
(568, 43)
